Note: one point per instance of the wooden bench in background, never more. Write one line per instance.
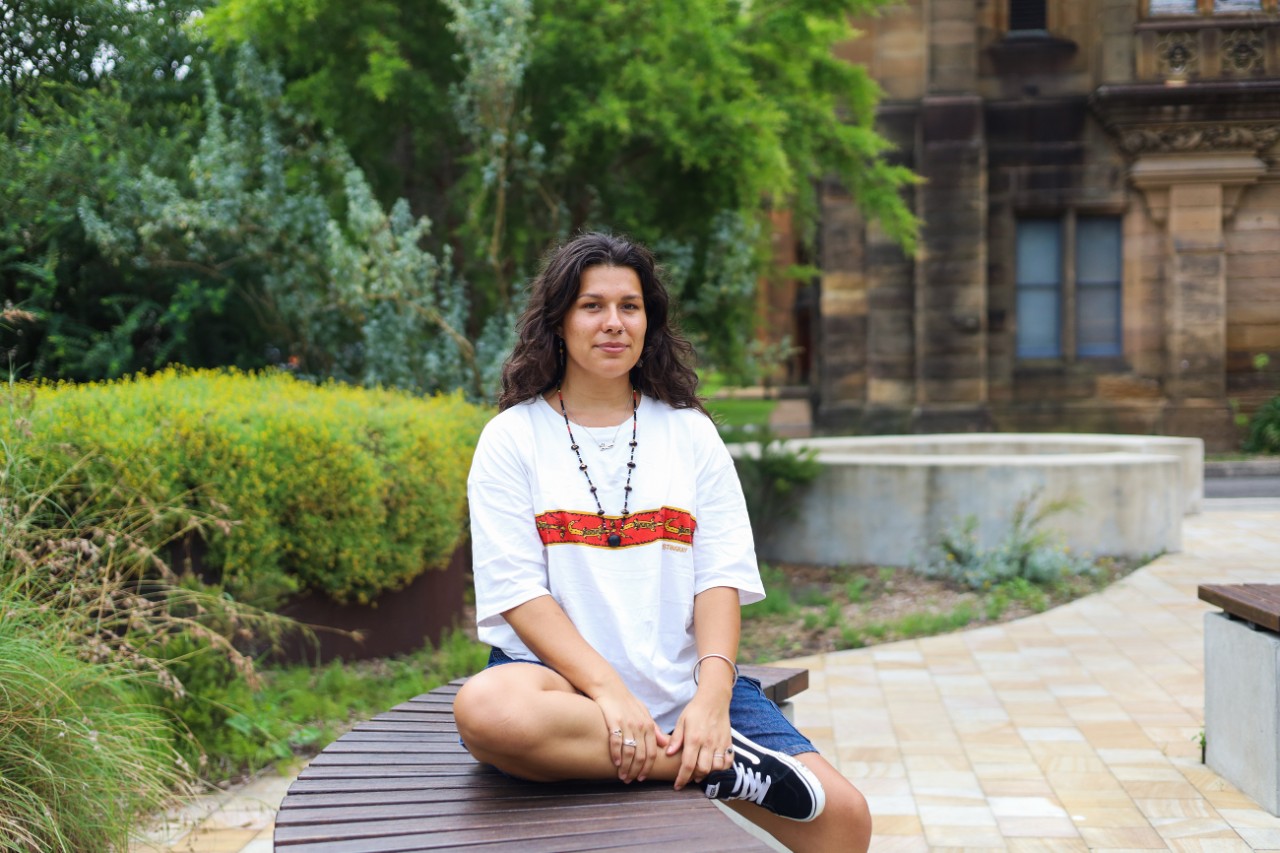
(1242, 688)
(401, 782)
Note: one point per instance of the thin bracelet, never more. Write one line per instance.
(697, 666)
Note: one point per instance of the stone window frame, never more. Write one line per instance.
(1068, 290)
(1205, 9)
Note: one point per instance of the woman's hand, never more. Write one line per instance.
(634, 737)
(703, 733)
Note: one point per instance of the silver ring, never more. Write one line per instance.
(629, 742)
(714, 754)
(617, 732)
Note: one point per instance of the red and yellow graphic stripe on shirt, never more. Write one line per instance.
(563, 526)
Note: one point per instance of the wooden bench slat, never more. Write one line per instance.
(303, 798)
(501, 789)
(707, 833)
(1256, 603)
(330, 758)
(402, 746)
(483, 814)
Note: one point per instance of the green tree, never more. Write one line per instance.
(678, 122)
(91, 90)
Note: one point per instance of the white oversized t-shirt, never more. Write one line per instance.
(535, 531)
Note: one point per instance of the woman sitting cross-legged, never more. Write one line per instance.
(612, 552)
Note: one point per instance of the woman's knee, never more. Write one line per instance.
(483, 710)
(851, 817)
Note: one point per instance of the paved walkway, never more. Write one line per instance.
(1077, 729)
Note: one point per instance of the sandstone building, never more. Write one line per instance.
(1101, 207)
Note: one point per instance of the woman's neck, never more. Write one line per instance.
(595, 403)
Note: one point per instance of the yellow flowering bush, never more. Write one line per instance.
(340, 490)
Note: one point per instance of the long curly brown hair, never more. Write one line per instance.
(535, 366)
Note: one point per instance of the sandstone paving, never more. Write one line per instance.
(1077, 729)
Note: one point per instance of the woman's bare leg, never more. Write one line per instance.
(527, 720)
(844, 825)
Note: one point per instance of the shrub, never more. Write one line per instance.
(1027, 552)
(1264, 428)
(340, 490)
(770, 472)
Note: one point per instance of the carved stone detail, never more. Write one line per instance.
(1199, 137)
(1177, 54)
(1243, 53)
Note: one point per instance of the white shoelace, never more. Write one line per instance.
(750, 785)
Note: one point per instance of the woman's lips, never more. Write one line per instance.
(612, 348)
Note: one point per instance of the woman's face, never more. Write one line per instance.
(604, 329)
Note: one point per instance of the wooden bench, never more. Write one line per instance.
(1256, 603)
(402, 782)
(1242, 688)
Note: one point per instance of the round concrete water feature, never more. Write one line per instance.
(887, 499)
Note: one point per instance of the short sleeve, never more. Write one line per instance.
(724, 549)
(508, 556)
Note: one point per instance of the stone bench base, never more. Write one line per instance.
(1242, 706)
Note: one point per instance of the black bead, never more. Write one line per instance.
(614, 540)
(582, 467)
(633, 444)
(573, 447)
(631, 464)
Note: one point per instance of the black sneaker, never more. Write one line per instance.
(769, 779)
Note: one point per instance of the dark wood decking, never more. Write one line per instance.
(1253, 602)
(401, 782)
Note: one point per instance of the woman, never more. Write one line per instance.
(612, 553)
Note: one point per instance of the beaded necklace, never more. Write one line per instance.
(614, 539)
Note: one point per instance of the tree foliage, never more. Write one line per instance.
(361, 189)
(677, 122)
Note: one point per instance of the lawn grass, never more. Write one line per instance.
(737, 413)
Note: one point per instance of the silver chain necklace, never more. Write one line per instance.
(606, 444)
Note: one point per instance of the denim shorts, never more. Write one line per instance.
(751, 713)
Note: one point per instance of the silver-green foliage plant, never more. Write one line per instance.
(1028, 551)
(344, 286)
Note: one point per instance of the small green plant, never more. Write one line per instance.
(770, 472)
(926, 624)
(832, 615)
(1264, 428)
(850, 638)
(1027, 552)
(777, 600)
(856, 589)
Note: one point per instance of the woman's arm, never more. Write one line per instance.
(703, 728)
(545, 628)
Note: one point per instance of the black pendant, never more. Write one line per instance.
(614, 540)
